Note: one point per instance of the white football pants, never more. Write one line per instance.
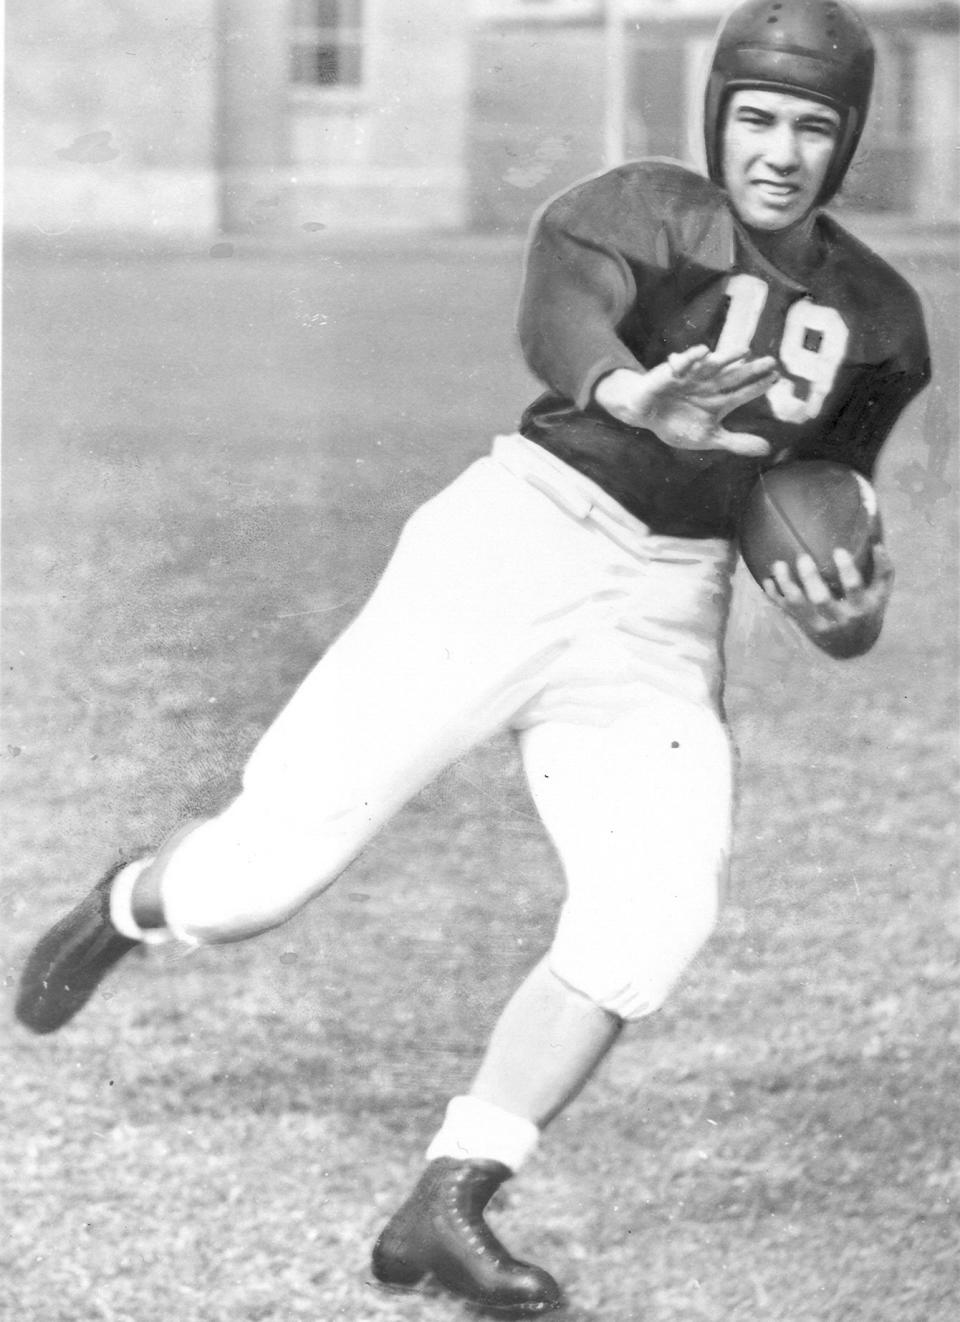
(521, 597)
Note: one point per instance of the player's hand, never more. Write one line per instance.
(841, 626)
(684, 400)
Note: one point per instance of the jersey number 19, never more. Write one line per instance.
(812, 346)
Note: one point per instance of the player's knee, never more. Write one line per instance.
(628, 991)
(243, 873)
(629, 967)
(218, 929)
(218, 914)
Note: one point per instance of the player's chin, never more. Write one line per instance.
(775, 213)
(772, 222)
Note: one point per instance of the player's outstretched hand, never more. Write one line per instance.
(684, 400)
(843, 626)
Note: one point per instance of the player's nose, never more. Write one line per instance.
(782, 152)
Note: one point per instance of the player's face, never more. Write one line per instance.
(776, 152)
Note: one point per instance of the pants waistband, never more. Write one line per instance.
(574, 492)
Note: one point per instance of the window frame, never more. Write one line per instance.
(353, 36)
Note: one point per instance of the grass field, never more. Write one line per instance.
(206, 464)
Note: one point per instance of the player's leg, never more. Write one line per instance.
(454, 640)
(474, 603)
(639, 813)
(546, 1044)
(628, 760)
(596, 735)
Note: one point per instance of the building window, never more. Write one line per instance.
(327, 43)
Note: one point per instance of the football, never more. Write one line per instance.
(810, 506)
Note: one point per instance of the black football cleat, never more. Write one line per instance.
(70, 961)
(439, 1235)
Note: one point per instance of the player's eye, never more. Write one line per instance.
(821, 128)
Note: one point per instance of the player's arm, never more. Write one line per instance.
(848, 626)
(842, 626)
(578, 287)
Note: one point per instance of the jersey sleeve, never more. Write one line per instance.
(585, 251)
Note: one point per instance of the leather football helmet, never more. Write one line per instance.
(812, 48)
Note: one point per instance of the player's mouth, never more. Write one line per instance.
(776, 192)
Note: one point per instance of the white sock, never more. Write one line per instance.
(475, 1130)
(121, 907)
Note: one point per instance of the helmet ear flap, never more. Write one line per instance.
(851, 127)
(713, 110)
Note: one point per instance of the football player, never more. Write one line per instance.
(573, 586)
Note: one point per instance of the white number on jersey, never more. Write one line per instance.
(811, 349)
(748, 298)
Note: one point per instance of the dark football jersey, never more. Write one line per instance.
(648, 259)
